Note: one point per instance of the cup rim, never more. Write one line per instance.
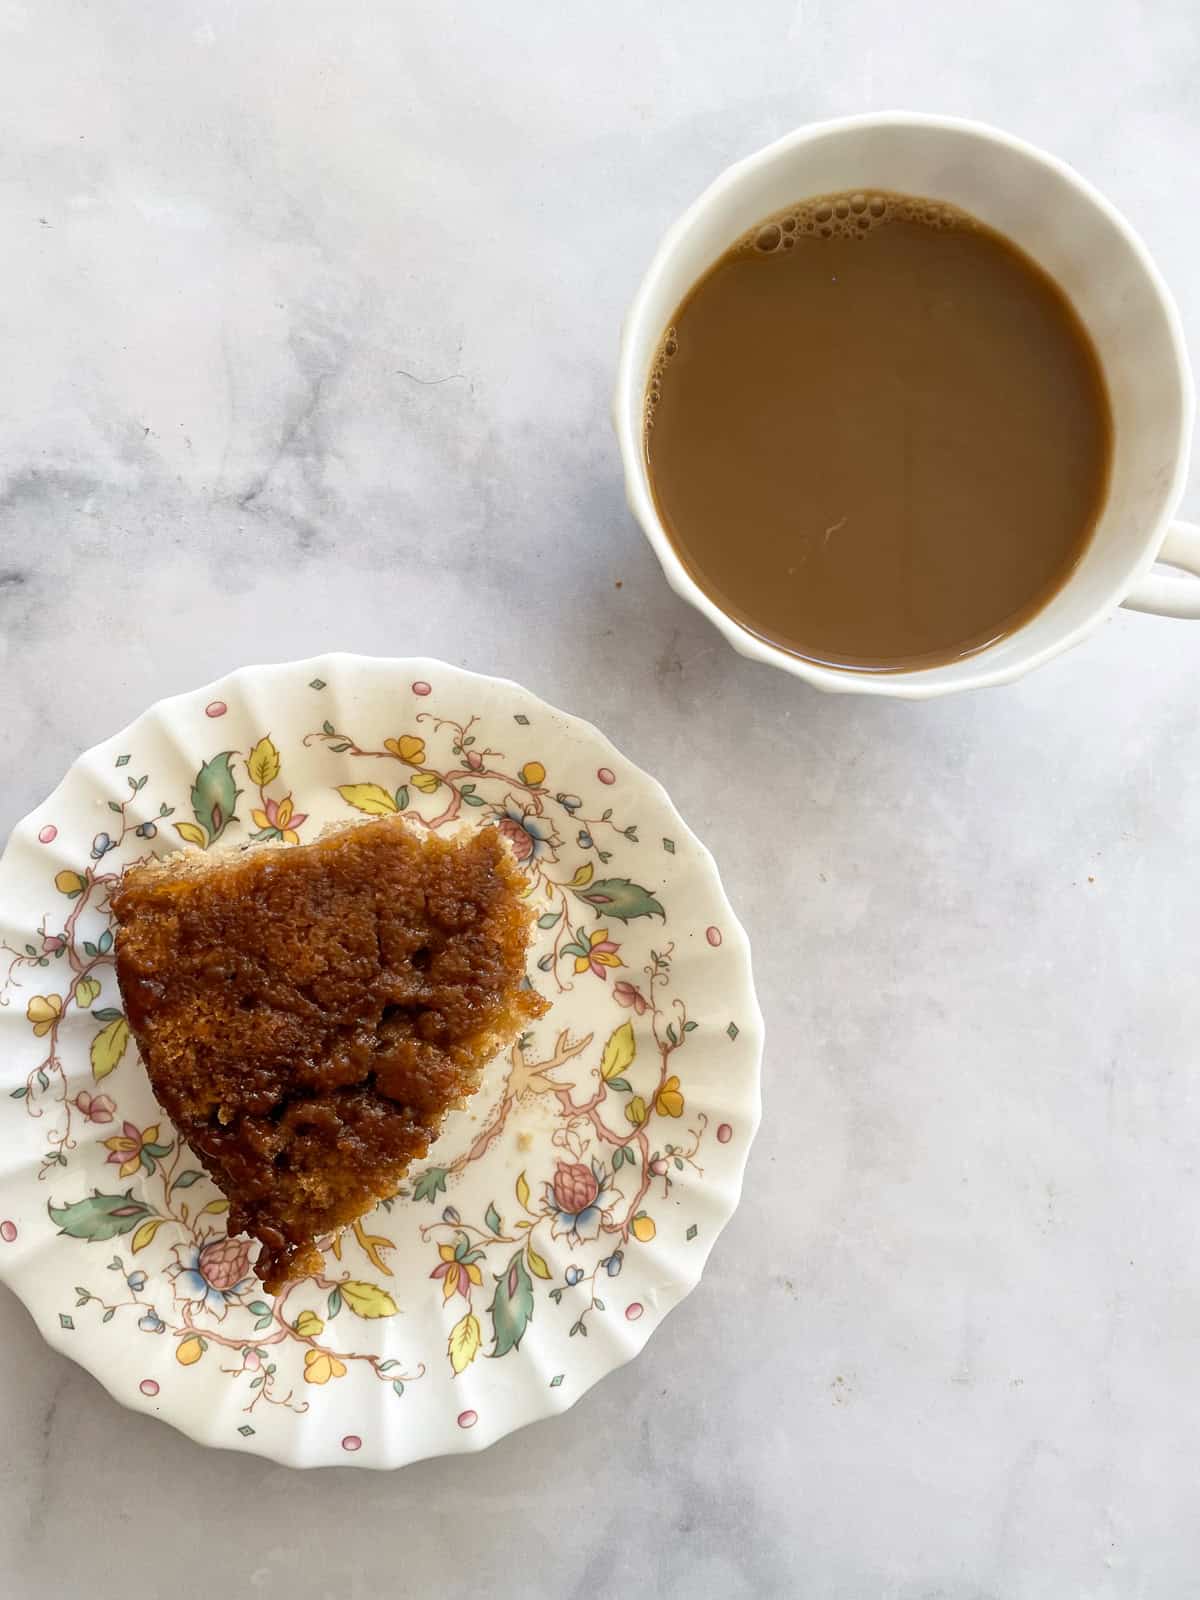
(899, 685)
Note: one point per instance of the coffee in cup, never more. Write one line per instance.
(877, 433)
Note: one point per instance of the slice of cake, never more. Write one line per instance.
(308, 1014)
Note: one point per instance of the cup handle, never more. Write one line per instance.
(1172, 597)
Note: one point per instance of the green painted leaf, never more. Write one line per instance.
(402, 798)
(548, 919)
(619, 898)
(185, 1180)
(492, 1218)
(619, 1083)
(512, 1306)
(121, 761)
(107, 1014)
(259, 1308)
(398, 1385)
(431, 1182)
(215, 795)
(333, 1305)
(100, 1216)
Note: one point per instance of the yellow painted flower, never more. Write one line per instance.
(44, 1011)
(635, 1111)
(408, 747)
(668, 1102)
(426, 782)
(188, 1351)
(532, 773)
(308, 1325)
(71, 883)
(320, 1367)
(457, 1272)
(282, 818)
(643, 1228)
(602, 952)
(125, 1148)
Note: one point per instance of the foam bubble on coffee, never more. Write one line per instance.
(847, 216)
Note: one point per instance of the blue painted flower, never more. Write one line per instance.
(136, 1281)
(573, 1275)
(580, 1199)
(213, 1275)
(531, 837)
(152, 1323)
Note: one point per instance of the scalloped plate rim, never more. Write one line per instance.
(189, 1421)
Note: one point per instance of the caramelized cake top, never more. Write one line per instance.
(308, 1014)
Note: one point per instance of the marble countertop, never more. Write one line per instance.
(310, 318)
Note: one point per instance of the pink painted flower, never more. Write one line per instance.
(133, 1148)
(628, 994)
(575, 1186)
(213, 1275)
(600, 953)
(52, 944)
(580, 1198)
(280, 818)
(457, 1269)
(95, 1107)
(530, 836)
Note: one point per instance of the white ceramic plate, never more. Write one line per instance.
(554, 1223)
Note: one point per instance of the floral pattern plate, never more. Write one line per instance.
(556, 1220)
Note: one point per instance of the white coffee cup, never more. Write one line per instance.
(1101, 264)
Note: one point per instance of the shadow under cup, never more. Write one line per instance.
(1072, 233)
